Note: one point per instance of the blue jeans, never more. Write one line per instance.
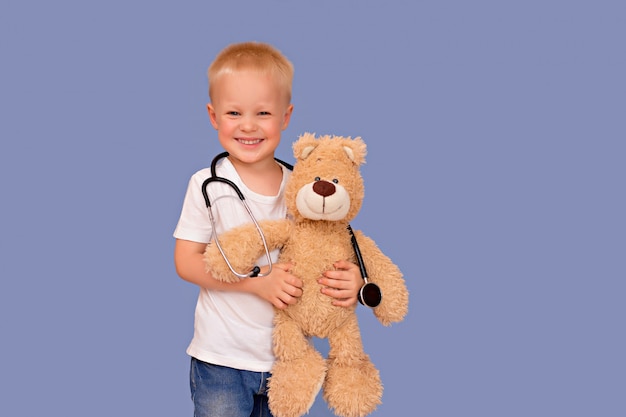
(219, 391)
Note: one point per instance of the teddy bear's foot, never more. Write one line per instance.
(294, 385)
(353, 391)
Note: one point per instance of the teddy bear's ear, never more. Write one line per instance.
(306, 152)
(349, 152)
(303, 147)
(356, 150)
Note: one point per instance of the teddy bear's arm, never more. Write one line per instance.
(243, 246)
(384, 273)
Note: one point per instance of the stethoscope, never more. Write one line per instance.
(369, 294)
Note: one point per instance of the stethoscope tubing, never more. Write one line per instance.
(256, 271)
(369, 294)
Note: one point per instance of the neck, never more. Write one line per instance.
(264, 179)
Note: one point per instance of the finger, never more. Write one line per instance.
(293, 290)
(283, 266)
(335, 293)
(343, 264)
(293, 282)
(288, 299)
(333, 283)
(332, 274)
(341, 274)
(298, 293)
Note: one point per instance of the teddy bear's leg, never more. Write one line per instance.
(353, 387)
(297, 374)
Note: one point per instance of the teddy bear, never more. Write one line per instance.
(323, 194)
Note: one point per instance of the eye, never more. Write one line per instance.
(317, 178)
(335, 180)
(264, 113)
(233, 113)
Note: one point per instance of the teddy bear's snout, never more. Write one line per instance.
(324, 188)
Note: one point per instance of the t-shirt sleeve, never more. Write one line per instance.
(194, 223)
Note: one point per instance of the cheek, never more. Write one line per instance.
(226, 125)
(279, 125)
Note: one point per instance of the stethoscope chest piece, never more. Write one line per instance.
(370, 294)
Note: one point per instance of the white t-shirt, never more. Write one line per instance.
(231, 329)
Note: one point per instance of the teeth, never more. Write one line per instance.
(249, 142)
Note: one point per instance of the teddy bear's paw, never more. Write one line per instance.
(394, 306)
(224, 276)
(388, 313)
(217, 266)
(353, 391)
(293, 386)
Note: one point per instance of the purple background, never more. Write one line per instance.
(494, 179)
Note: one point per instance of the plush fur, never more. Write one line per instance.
(323, 195)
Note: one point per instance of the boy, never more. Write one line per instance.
(231, 350)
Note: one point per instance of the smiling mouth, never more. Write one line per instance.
(324, 212)
(249, 141)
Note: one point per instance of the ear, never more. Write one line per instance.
(356, 150)
(212, 115)
(303, 147)
(348, 151)
(306, 151)
(287, 117)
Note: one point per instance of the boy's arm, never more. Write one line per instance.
(189, 262)
(279, 288)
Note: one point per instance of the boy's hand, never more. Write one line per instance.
(280, 287)
(342, 284)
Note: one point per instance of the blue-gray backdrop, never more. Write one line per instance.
(495, 180)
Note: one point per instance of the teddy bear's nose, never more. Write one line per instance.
(324, 188)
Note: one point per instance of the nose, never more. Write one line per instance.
(324, 188)
(247, 124)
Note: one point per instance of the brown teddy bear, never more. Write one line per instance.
(323, 194)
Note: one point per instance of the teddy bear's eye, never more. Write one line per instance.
(317, 178)
(335, 180)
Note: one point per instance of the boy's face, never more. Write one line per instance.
(249, 111)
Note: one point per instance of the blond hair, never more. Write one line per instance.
(256, 56)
